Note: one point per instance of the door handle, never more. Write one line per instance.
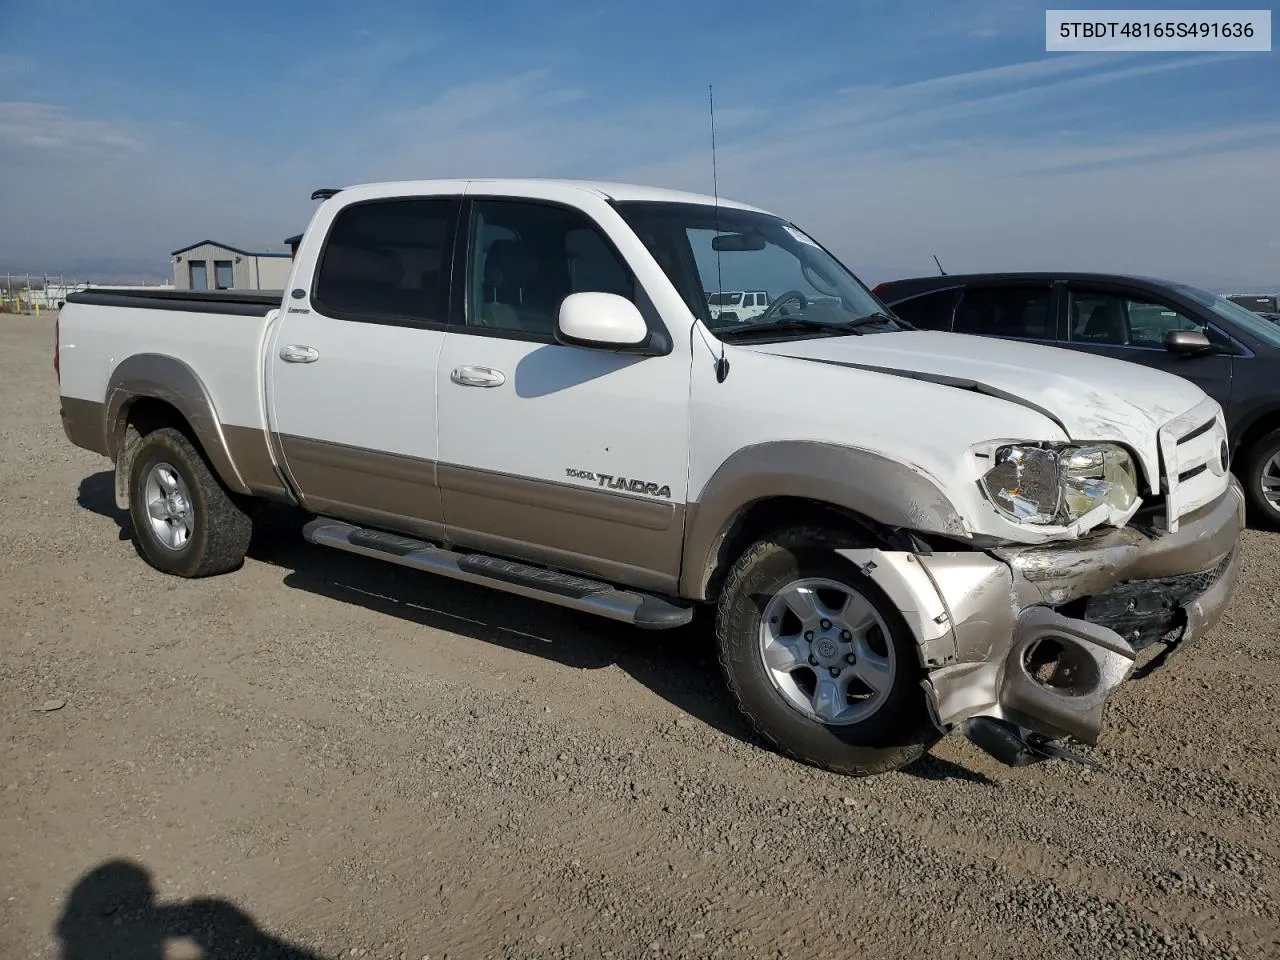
(298, 353)
(472, 375)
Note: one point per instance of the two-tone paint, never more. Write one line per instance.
(468, 437)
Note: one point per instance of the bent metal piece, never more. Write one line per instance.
(980, 650)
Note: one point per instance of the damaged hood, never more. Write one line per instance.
(1092, 398)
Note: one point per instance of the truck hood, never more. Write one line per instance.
(1092, 398)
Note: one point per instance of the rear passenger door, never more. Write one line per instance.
(1022, 310)
(351, 386)
(1113, 321)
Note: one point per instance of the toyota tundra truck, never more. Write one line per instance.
(900, 534)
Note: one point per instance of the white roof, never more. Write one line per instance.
(611, 190)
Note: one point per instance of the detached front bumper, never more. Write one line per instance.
(1040, 637)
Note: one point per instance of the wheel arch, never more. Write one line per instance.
(1253, 429)
(147, 391)
(790, 483)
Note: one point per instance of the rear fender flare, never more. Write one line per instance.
(170, 380)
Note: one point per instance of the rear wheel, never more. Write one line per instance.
(821, 662)
(1260, 476)
(184, 520)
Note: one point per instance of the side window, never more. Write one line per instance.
(1017, 311)
(387, 261)
(527, 257)
(929, 311)
(1117, 320)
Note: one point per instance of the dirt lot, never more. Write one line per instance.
(329, 753)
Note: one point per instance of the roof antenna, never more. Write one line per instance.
(940, 270)
(722, 365)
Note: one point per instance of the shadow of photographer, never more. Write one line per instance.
(112, 914)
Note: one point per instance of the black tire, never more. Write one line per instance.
(1252, 467)
(220, 529)
(898, 733)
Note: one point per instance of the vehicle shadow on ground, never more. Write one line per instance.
(112, 914)
(678, 665)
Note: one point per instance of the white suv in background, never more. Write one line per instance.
(745, 305)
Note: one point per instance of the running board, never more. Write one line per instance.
(579, 593)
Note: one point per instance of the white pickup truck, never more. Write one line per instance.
(903, 534)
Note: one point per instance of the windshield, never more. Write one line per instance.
(1257, 326)
(712, 255)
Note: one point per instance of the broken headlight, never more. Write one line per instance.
(1058, 484)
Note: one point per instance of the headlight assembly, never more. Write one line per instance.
(1057, 483)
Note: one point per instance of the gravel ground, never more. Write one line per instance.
(322, 755)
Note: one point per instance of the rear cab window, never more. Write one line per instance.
(387, 261)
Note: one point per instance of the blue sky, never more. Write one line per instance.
(890, 130)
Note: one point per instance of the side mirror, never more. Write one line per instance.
(1186, 343)
(601, 321)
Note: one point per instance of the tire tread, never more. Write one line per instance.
(223, 529)
(788, 539)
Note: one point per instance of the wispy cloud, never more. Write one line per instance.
(962, 97)
(44, 127)
(1071, 160)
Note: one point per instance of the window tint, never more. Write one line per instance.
(1006, 312)
(1110, 318)
(930, 311)
(387, 260)
(222, 274)
(527, 257)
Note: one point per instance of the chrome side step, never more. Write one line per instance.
(643, 610)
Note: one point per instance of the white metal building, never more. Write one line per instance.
(209, 265)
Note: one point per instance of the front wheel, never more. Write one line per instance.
(821, 662)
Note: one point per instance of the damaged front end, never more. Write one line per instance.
(1023, 646)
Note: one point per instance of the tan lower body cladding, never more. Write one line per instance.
(629, 539)
(624, 538)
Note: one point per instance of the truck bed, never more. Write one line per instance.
(249, 303)
(105, 334)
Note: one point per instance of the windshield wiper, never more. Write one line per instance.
(783, 323)
(877, 317)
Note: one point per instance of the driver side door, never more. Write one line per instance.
(562, 455)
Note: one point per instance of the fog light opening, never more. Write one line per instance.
(1060, 665)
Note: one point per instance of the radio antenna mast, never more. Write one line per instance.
(722, 365)
(940, 270)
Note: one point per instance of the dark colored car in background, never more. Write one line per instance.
(1230, 352)
(1258, 303)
